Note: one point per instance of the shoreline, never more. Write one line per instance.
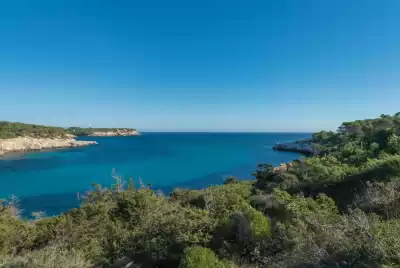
(21, 145)
(33, 201)
(18, 155)
(295, 147)
(117, 133)
(15, 148)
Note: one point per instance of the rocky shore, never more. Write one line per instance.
(302, 148)
(26, 144)
(119, 132)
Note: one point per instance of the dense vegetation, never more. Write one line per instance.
(338, 209)
(14, 130)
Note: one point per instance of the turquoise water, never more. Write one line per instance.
(50, 181)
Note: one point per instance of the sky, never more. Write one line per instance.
(179, 65)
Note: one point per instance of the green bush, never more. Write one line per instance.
(188, 197)
(199, 257)
(15, 235)
(50, 257)
(259, 224)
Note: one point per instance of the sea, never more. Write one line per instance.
(52, 181)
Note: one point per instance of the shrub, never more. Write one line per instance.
(188, 197)
(199, 257)
(15, 235)
(259, 224)
(50, 257)
(231, 180)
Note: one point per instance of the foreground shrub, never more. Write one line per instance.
(15, 235)
(199, 257)
(188, 197)
(381, 198)
(51, 257)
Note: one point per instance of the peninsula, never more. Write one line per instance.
(304, 147)
(102, 132)
(21, 137)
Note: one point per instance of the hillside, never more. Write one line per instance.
(339, 208)
(10, 130)
(369, 132)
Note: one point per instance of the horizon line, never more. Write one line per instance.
(216, 131)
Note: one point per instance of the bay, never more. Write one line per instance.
(50, 181)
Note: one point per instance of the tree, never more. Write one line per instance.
(393, 144)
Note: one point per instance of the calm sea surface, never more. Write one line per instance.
(50, 181)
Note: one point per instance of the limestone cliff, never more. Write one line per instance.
(117, 132)
(33, 144)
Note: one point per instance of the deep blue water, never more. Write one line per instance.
(50, 181)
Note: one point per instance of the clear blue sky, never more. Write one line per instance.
(270, 65)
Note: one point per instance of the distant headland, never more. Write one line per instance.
(305, 147)
(102, 132)
(21, 137)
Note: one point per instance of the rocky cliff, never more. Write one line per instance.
(298, 147)
(118, 132)
(34, 144)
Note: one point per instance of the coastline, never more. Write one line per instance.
(302, 147)
(27, 144)
(54, 203)
(16, 147)
(119, 132)
(17, 155)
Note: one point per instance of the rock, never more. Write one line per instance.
(294, 147)
(33, 144)
(70, 136)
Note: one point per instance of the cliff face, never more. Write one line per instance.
(118, 132)
(295, 147)
(33, 144)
